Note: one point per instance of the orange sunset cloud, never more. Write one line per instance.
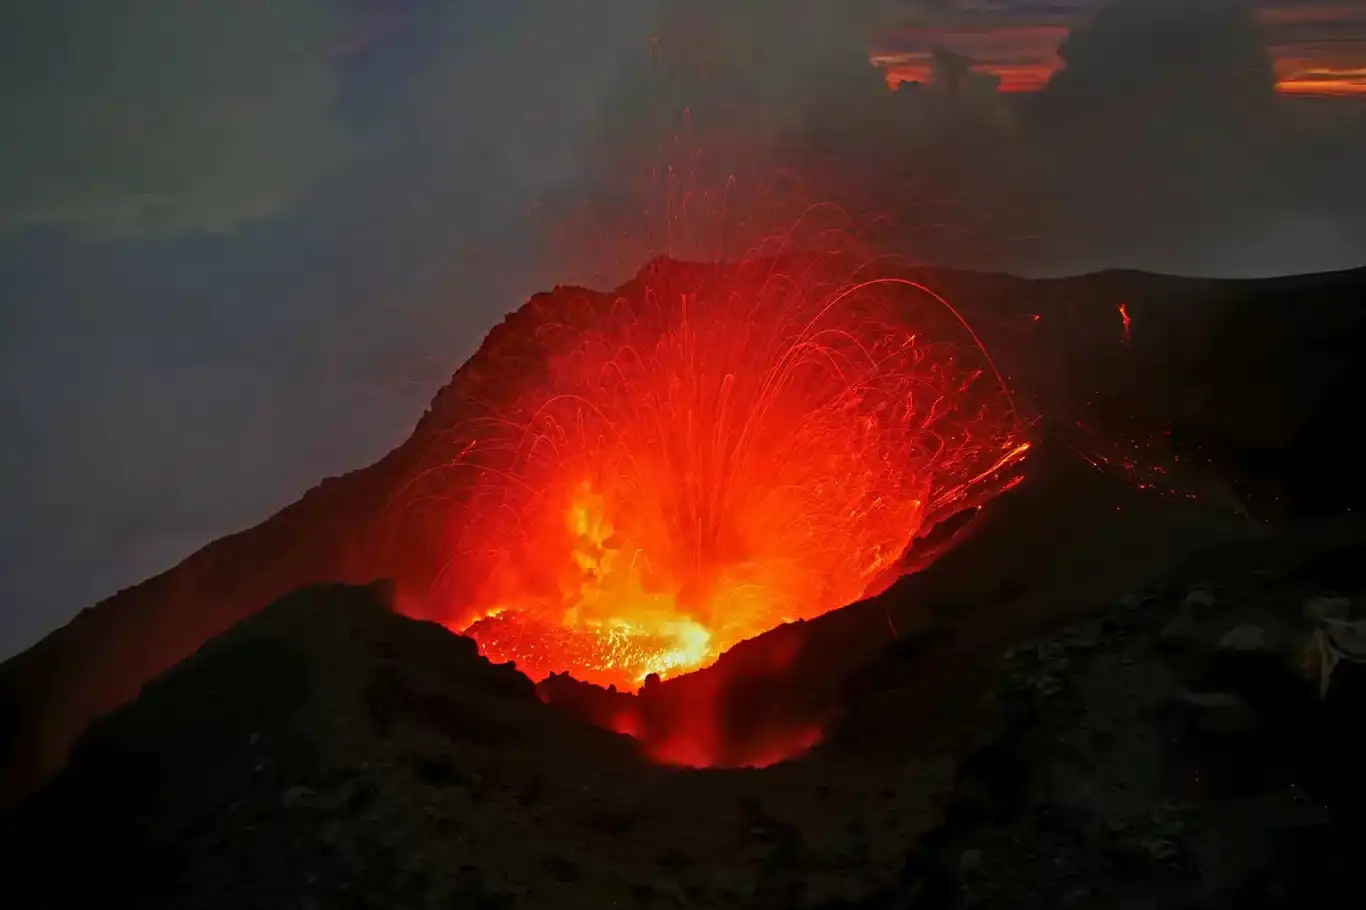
(1319, 50)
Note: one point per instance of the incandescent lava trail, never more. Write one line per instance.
(706, 454)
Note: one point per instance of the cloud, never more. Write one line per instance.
(1163, 129)
(171, 380)
(745, 116)
(157, 116)
(1159, 138)
(751, 68)
(709, 118)
(1208, 55)
(1319, 48)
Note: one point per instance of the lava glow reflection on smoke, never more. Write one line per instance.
(709, 453)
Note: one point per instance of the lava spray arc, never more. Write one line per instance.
(657, 474)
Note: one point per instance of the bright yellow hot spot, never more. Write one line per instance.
(693, 466)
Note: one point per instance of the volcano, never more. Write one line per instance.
(708, 453)
(621, 487)
(1006, 457)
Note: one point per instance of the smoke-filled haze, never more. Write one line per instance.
(243, 242)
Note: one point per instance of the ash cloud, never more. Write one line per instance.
(205, 116)
(1164, 141)
(1161, 144)
(343, 202)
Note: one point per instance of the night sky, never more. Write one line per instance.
(242, 242)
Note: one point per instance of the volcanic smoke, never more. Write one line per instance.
(708, 453)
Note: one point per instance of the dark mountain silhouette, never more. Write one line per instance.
(1251, 385)
(1171, 747)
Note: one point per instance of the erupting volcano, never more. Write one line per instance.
(708, 453)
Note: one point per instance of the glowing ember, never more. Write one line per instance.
(709, 454)
(1125, 320)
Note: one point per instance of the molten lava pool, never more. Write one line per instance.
(663, 472)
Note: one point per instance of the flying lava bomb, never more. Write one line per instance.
(709, 452)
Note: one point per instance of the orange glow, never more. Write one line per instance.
(1125, 320)
(1014, 78)
(1325, 83)
(692, 746)
(710, 453)
(1319, 49)
(1022, 56)
(899, 68)
(1023, 77)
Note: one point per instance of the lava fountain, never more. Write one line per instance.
(706, 454)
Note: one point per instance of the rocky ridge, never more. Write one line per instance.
(1178, 749)
(1196, 746)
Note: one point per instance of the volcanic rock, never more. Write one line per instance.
(1246, 637)
(329, 752)
(1327, 607)
(1127, 773)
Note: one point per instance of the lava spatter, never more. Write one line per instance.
(709, 453)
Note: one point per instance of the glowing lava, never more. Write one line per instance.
(709, 453)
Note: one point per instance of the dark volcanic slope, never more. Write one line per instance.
(1188, 747)
(1258, 375)
(1171, 750)
(1068, 538)
(329, 753)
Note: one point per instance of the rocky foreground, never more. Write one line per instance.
(1192, 746)
(1198, 745)
(329, 753)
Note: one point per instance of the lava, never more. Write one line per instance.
(709, 453)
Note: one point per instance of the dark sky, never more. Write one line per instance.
(242, 242)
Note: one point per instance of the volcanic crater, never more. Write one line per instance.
(783, 509)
